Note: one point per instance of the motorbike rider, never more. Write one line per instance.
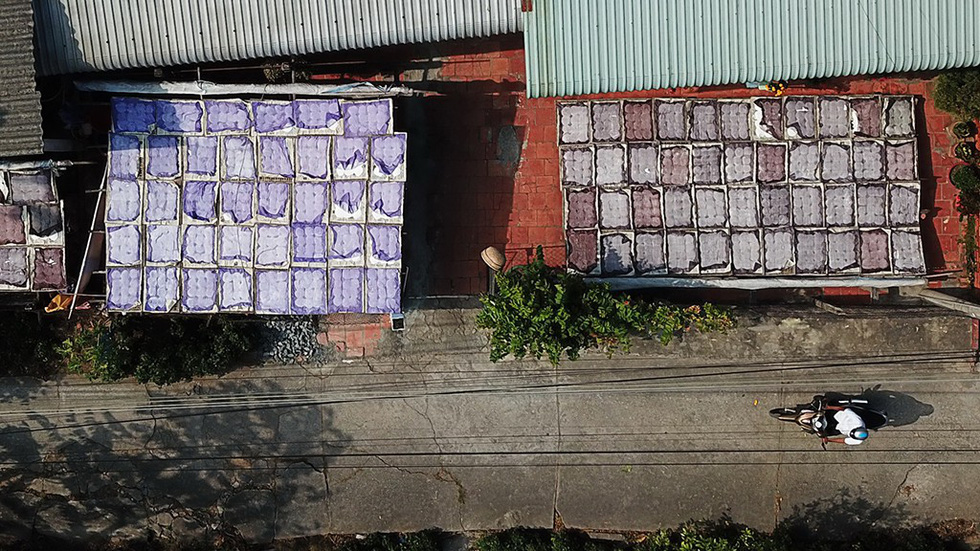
(850, 426)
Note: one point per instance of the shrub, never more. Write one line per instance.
(958, 93)
(970, 249)
(416, 541)
(964, 129)
(27, 344)
(160, 350)
(546, 312)
(966, 151)
(966, 179)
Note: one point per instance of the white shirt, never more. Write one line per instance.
(848, 420)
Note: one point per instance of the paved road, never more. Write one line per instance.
(445, 440)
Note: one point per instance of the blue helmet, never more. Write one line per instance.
(859, 434)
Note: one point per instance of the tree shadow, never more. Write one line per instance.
(842, 517)
(243, 473)
(901, 408)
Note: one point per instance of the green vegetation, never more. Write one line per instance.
(27, 345)
(970, 249)
(966, 179)
(958, 92)
(964, 129)
(546, 312)
(160, 350)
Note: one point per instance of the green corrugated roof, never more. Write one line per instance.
(593, 46)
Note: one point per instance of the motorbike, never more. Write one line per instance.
(813, 418)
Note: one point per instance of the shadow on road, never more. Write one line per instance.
(901, 408)
(842, 517)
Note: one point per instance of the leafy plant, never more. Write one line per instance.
(160, 350)
(966, 179)
(958, 92)
(966, 151)
(546, 312)
(27, 344)
(415, 541)
(970, 249)
(964, 129)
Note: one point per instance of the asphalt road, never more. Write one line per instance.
(631, 443)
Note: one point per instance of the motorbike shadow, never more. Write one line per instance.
(901, 408)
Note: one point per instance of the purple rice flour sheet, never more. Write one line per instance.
(310, 242)
(711, 209)
(581, 209)
(388, 157)
(678, 207)
(384, 245)
(383, 291)
(199, 245)
(650, 258)
(14, 269)
(347, 201)
(227, 116)
(734, 120)
(366, 118)
(739, 162)
(767, 119)
(704, 121)
(780, 256)
(746, 252)
(162, 244)
(875, 255)
(903, 205)
(161, 289)
(682, 253)
(869, 160)
(907, 252)
(272, 245)
(273, 116)
(835, 117)
(34, 186)
(607, 121)
(614, 210)
(843, 251)
(124, 156)
(899, 119)
(123, 246)
(801, 118)
(235, 290)
(675, 165)
(49, 270)
(643, 161)
(123, 288)
(236, 200)
(808, 206)
(616, 254)
(770, 162)
(199, 201)
(647, 213)
(346, 244)
(811, 252)
(775, 203)
(199, 290)
(163, 156)
(273, 199)
(385, 202)
(45, 224)
(12, 227)
(235, 245)
(318, 115)
(577, 166)
(238, 158)
(715, 252)
(804, 161)
(900, 161)
(133, 115)
(866, 117)
(276, 156)
(310, 202)
(671, 121)
(309, 291)
(706, 164)
(350, 158)
(573, 123)
(179, 116)
(201, 156)
(871, 205)
(124, 201)
(610, 165)
(272, 291)
(839, 200)
(637, 120)
(835, 164)
(162, 200)
(583, 250)
(312, 157)
(743, 207)
(346, 290)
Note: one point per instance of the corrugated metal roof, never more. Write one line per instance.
(593, 46)
(98, 35)
(20, 104)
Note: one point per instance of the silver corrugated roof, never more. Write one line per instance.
(20, 104)
(100, 35)
(594, 46)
